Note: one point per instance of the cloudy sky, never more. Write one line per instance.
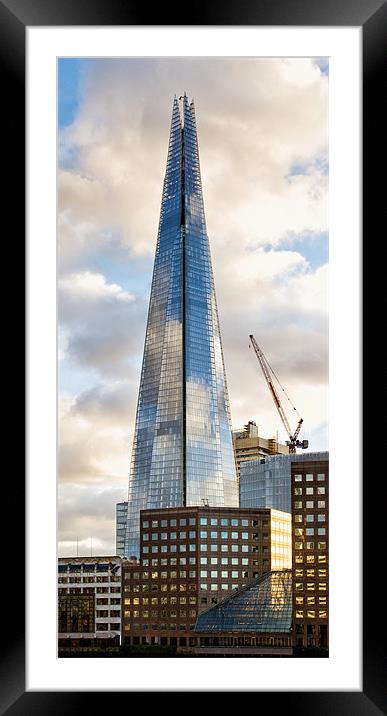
(263, 141)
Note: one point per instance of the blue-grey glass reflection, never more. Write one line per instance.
(182, 450)
(261, 607)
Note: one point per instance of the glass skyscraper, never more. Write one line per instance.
(182, 449)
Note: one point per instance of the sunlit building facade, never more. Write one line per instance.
(310, 549)
(193, 558)
(182, 449)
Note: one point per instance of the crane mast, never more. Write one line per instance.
(293, 441)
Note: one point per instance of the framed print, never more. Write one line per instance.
(40, 38)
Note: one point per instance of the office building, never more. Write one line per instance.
(89, 601)
(310, 540)
(267, 482)
(249, 445)
(182, 448)
(192, 558)
(121, 521)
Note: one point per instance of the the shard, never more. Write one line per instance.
(182, 450)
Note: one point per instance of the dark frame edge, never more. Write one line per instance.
(14, 700)
(12, 63)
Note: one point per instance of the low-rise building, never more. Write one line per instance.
(89, 601)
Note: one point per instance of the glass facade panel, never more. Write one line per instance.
(264, 606)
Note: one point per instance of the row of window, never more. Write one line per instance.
(173, 561)
(311, 586)
(309, 477)
(161, 588)
(203, 521)
(309, 491)
(311, 614)
(87, 580)
(108, 627)
(134, 601)
(104, 613)
(310, 572)
(311, 600)
(204, 534)
(89, 590)
(309, 558)
(309, 505)
(203, 547)
(145, 614)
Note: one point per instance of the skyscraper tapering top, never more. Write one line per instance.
(182, 450)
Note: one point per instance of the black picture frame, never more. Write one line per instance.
(371, 15)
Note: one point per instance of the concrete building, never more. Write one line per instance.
(310, 542)
(192, 558)
(267, 482)
(249, 445)
(89, 601)
(121, 520)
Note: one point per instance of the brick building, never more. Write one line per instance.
(191, 559)
(310, 540)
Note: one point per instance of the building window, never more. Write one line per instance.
(298, 490)
(309, 477)
(297, 478)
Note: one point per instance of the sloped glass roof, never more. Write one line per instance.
(264, 605)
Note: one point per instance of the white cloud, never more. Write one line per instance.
(256, 120)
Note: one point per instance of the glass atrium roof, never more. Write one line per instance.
(264, 605)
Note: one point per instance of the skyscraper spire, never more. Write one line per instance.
(182, 449)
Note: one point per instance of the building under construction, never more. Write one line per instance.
(249, 445)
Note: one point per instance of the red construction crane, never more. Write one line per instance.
(293, 442)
